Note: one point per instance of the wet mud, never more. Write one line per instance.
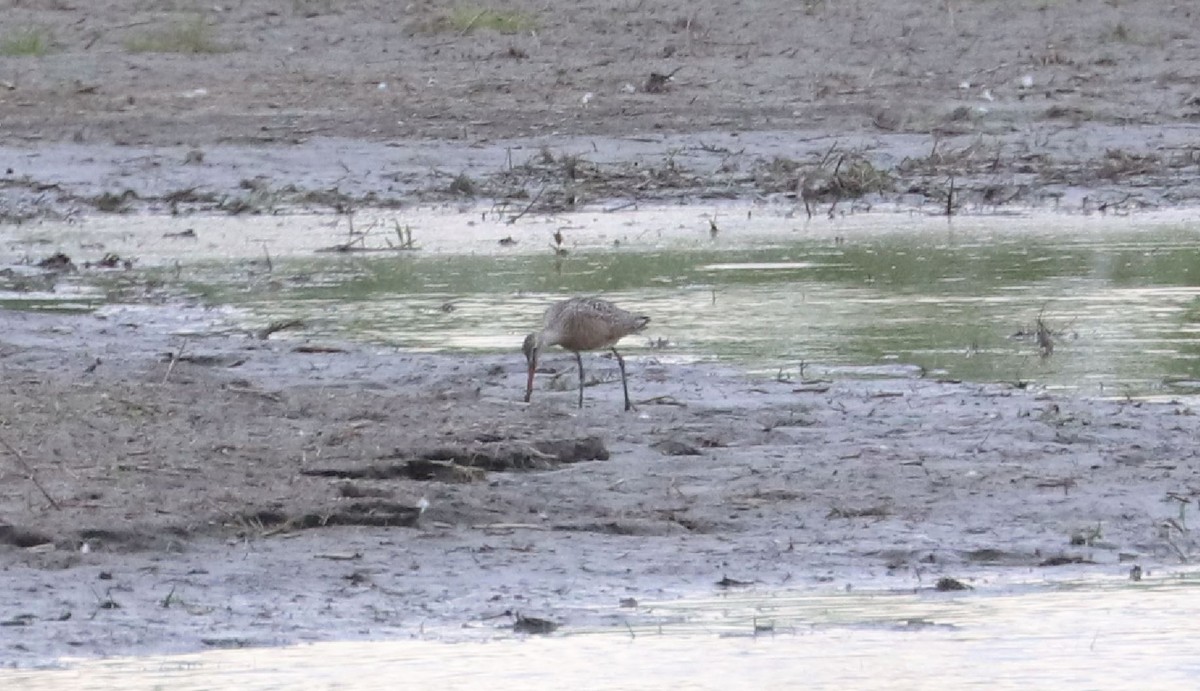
(251, 490)
(116, 107)
(155, 504)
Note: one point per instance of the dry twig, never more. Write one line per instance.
(29, 472)
(526, 210)
(174, 359)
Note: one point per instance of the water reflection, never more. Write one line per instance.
(1106, 635)
(774, 294)
(1123, 309)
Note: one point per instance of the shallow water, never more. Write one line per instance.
(878, 294)
(869, 295)
(1097, 635)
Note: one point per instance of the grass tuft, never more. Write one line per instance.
(191, 37)
(466, 20)
(1122, 33)
(29, 41)
(463, 185)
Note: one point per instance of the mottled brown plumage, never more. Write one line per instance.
(579, 324)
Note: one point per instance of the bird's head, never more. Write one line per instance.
(530, 347)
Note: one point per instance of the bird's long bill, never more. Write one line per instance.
(529, 383)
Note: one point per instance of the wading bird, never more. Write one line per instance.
(579, 324)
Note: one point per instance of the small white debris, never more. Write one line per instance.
(432, 81)
(987, 95)
(422, 504)
(382, 86)
(629, 88)
(587, 98)
(964, 85)
(195, 93)
(1027, 81)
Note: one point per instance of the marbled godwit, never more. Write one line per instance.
(580, 324)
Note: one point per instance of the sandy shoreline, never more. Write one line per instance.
(890, 483)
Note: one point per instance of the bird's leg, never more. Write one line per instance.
(624, 384)
(579, 359)
(530, 348)
(531, 360)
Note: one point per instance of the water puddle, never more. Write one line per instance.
(783, 296)
(1097, 635)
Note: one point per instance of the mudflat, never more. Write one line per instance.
(247, 492)
(245, 107)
